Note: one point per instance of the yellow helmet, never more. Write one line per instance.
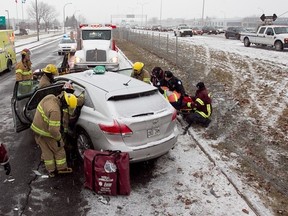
(138, 66)
(51, 68)
(71, 100)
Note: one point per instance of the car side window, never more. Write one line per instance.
(261, 31)
(269, 31)
(80, 90)
(26, 88)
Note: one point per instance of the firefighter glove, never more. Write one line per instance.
(7, 168)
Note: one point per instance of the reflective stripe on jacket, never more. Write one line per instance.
(202, 103)
(23, 72)
(171, 96)
(143, 76)
(47, 119)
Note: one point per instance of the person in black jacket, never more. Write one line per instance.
(174, 85)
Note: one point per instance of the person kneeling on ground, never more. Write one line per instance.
(201, 105)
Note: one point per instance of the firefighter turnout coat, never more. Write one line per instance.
(46, 125)
(143, 76)
(44, 81)
(23, 71)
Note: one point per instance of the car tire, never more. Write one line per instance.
(83, 142)
(59, 53)
(247, 42)
(278, 46)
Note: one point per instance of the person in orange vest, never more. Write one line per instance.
(172, 89)
(23, 68)
(201, 106)
(4, 159)
(140, 73)
(46, 126)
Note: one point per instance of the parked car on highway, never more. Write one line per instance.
(119, 113)
(21, 32)
(234, 32)
(197, 31)
(209, 30)
(66, 44)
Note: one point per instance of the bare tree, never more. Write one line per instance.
(46, 12)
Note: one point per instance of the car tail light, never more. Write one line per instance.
(116, 129)
(174, 116)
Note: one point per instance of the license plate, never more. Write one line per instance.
(153, 132)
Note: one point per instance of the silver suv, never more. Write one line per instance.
(119, 113)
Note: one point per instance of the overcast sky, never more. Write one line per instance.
(101, 11)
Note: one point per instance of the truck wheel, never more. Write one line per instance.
(247, 42)
(278, 46)
(9, 65)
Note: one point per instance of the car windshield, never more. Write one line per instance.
(96, 34)
(281, 30)
(67, 40)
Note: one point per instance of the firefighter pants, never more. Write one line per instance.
(196, 118)
(54, 157)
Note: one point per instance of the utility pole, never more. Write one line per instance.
(37, 20)
(8, 19)
(203, 12)
(64, 15)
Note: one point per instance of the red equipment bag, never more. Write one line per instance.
(107, 172)
(3, 155)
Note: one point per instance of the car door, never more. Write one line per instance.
(269, 36)
(25, 99)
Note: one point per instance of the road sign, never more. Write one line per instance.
(2, 21)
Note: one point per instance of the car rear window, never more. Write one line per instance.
(144, 103)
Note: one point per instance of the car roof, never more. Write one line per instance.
(112, 83)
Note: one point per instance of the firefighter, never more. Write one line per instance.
(23, 68)
(157, 74)
(201, 105)
(48, 75)
(46, 126)
(4, 159)
(140, 73)
(172, 89)
(70, 116)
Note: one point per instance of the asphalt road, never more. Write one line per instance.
(24, 193)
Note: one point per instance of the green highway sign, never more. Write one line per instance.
(2, 21)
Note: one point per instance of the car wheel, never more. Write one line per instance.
(59, 53)
(9, 65)
(83, 143)
(278, 46)
(247, 42)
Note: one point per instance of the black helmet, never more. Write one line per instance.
(168, 74)
(200, 85)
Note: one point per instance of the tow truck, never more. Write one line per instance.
(96, 46)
